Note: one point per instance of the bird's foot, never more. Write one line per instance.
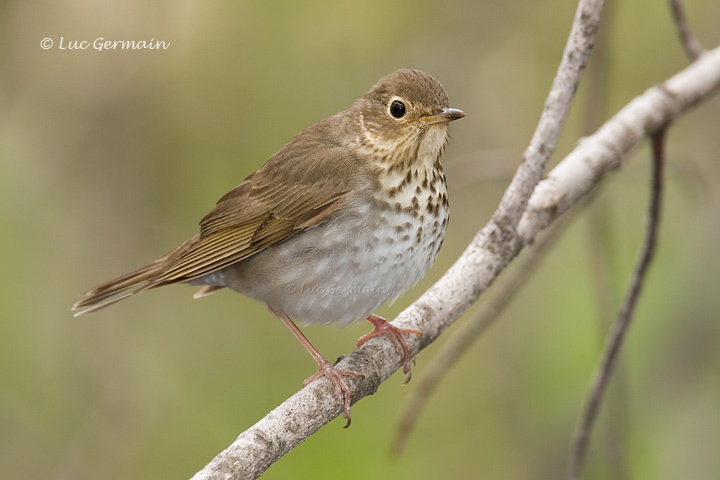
(383, 327)
(335, 375)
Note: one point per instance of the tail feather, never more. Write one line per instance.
(125, 281)
(106, 303)
(105, 295)
(143, 278)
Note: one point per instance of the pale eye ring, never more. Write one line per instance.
(397, 109)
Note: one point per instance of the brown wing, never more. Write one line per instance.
(285, 197)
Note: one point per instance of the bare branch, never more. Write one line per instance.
(464, 337)
(603, 151)
(557, 105)
(576, 176)
(692, 47)
(624, 318)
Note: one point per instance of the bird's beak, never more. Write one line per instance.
(446, 115)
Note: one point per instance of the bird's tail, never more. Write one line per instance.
(129, 284)
(108, 293)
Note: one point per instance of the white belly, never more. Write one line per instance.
(342, 270)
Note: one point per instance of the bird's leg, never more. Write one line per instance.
(383, 327)
(325, 369)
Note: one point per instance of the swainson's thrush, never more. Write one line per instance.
(349, 214)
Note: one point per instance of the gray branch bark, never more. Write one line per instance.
(484, 259)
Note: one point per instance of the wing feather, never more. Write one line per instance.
(285, 197)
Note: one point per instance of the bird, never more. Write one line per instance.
(345, 217)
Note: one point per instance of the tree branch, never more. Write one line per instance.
(463, 338)
(488, 254)
(557, 105)
(692, 47)
(624, 318)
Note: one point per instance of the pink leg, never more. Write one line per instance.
(383, 327)
(342, 390)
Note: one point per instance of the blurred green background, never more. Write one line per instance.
(108, 159)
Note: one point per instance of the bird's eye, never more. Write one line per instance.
(397, 109)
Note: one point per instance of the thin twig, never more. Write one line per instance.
(552, 120)
(463, 338)
(625, 316)
(692, 47)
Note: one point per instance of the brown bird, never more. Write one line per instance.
(347, 215)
